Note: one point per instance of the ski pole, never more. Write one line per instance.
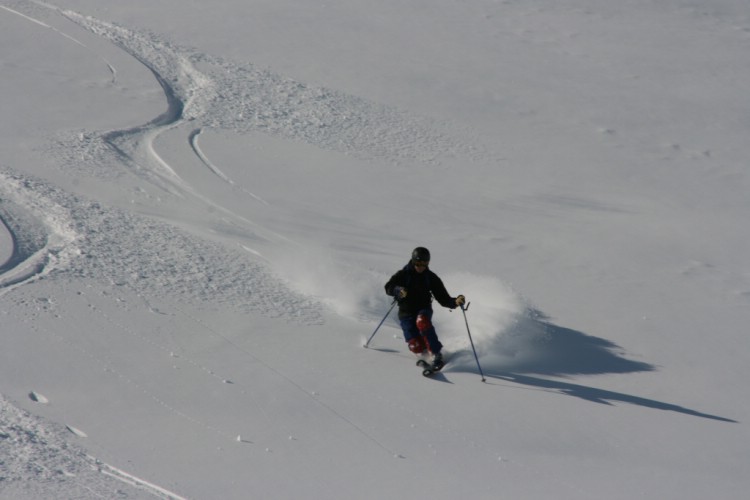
(381, 323)
(463, 310)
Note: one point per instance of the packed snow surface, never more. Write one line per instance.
(200, 203)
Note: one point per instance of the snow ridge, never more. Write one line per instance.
(42, 232)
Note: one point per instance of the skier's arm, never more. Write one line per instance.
(394, 287)
(441, 294)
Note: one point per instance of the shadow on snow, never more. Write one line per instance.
(600, 396)
(535, 346)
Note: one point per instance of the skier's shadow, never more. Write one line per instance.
(439, 377)
(538, 347)
(601, 396)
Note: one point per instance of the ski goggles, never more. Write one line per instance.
(421, 263)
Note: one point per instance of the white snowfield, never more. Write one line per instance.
(200, 203)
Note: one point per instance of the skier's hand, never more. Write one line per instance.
(460, 300)
(400, 292)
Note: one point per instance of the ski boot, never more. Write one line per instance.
(438, 363)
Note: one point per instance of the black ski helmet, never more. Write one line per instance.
(420, 254)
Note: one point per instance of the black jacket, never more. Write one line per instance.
(420, 289)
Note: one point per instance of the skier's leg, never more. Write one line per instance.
(412, 335)
(425, 327)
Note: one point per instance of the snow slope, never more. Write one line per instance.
(201, 202)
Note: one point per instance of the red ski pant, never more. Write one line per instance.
(412, 331)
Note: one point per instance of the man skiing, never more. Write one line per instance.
(414, 287)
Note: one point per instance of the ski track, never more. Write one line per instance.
(38, 457)
(193, 138)
(110, 67)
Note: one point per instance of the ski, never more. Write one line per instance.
(429, 369)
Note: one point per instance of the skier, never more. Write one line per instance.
(414, 286)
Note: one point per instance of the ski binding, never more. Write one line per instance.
(428, 369)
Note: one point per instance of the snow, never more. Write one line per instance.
(200, 203)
